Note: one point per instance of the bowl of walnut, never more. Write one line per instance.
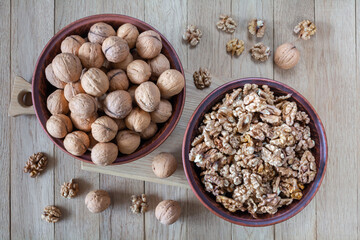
(108, 89)
(255, 152)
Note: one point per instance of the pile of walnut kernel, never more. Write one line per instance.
(254, 151)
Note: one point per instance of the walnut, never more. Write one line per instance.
(202, 78)
(127, 141)
(305, 29)
(67, 67)
(164, 165)
(162, 113)
(147, 96)
(226, 24)
(168, 212)
(120, 123)
(76, 143)
(123, 64)
(51, 214)
(104, 129)
(93, 142)
(129, 33)
(91, 55)
(83, 124)
(59, 125)
(286, 56)
(72, 89)
(69, 189)
(118, 104)
(71, 44)
(95, 82)
(235, 46)
(139, 204)
(52, 79)
(170, 83)
(118, 80)
(131, 91)
(97, 201)
(36, 164)
(149, 132)
(229, 203)
(138, 71)
(159, 65)
(307, 168)
(192, 35)
(99, 32)
(137, 120)
(56, 103)
(260, 52)
(104, 153)
(289, 110)
(83, 105)
(257, 27)
(149, 44)
(115, 49)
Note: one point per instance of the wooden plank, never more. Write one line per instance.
(31, 28)
(357, 24)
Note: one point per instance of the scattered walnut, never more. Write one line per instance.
(51, 214)
(69, 189)
(192, 35)
(168, 212)
(235, 46)
(305, 29)
(202, 78)
(139, 204)
(257, 27)
(260, 52)
(36, 164)
(226, 24)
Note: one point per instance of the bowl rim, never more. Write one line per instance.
(225, 214)
(65, 31)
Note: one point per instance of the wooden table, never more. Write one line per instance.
(326, 75)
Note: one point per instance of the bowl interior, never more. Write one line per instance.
(42, 88)
(243, 218)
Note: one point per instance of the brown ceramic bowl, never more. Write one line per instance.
(244, 218)
(41, 88)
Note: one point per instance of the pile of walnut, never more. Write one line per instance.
(113, 90)
(254, 151)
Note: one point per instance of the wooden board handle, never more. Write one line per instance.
(21, 89)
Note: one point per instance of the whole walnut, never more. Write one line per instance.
(52, 79)
(97, 201)
(168, 212)
(56, 103)
(138, 71)
(147, 96)
(83, 105)
(162, 113)
(164, 165)
(103, 154)
(118, 80)
(149, 132)
(67, 67)
(123, 64)
(71, 44)
(59, 125)
(286, 56)
(100, 31)
(93, 142)
(131, 91)
(137, 120)
(129, 33)
(83, 124)
(95, 82)
(120, 123)
(115, 49)
(159, 65)
(104, 129)
(128, 141)
(170, 83)
(148, 44)
(118, 104)
(77, 143)
(72, 89)
(91, 55)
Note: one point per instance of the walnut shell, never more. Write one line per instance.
(118, 80)
(56, 103)
(67, 67)
(149, 132)
(104, 129)
(131, 91)
(83, 105)
(286, 56)
(52, 79)
(95, 82)
(83, 124)
(97, 201)
(120, 123)
(159, 65)
(137, 120)
(59, 125)
(115, 49)
(118, 104)
(138, 71)
(91, 55)
(71, 44)
(170, 83)
(147, 96)
(162, 113)
(76, 143)
(100, 31)
(103, 154)
(168, 212)
(93, 142)
(148, 44)
(164, 165)
(123, 64)
(128, 141)
(72, 89)
(129, 33)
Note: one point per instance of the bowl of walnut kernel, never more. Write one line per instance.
(255, 152)
(108, 89)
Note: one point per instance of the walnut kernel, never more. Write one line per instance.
(192, 35)
(257, 27)
(51, 214)
(260, 52)
(139, 204)
(235, 46)
(226, 24)
(36, 164)
(69, 189)
(202, 78)
(305, 29)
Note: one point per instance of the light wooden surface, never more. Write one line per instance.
(326, 75)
